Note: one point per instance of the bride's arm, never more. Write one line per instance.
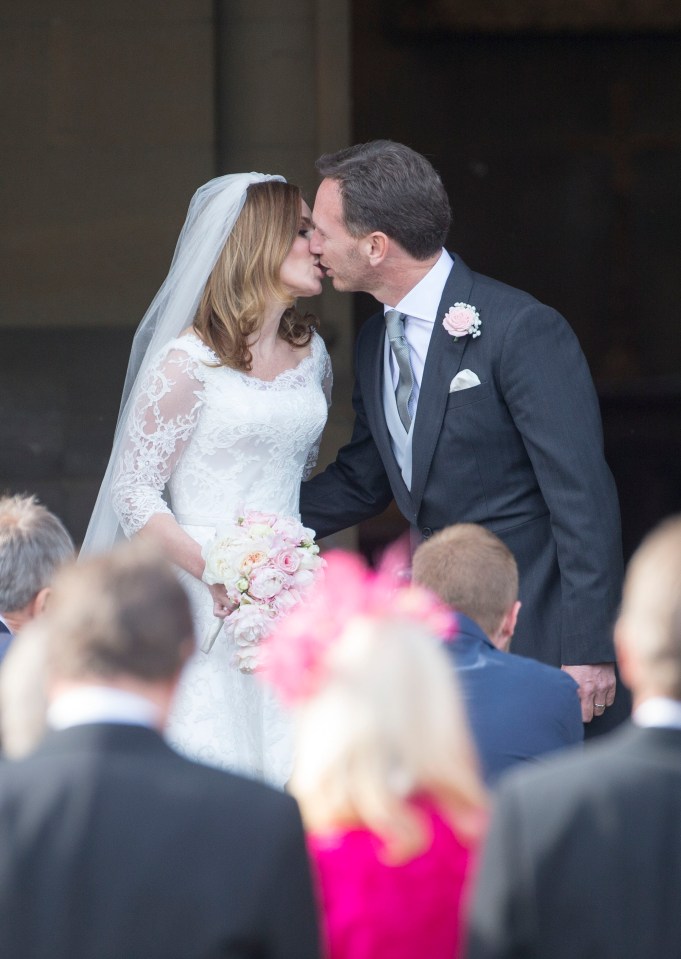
(164, 530)
(162, 419)
(185, 552)
(325, 373)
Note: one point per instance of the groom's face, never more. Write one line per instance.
(340, 253)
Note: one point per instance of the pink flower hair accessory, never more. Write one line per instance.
(295, 651)
(462, 319)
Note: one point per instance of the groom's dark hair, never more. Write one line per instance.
(389, 187)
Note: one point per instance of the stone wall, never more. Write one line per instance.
(107, 129)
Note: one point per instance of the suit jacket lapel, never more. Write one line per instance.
(443, 362)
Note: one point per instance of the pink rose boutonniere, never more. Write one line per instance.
(462, 319)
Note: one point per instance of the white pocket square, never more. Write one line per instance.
(463, 381)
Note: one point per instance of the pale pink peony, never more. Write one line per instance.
(247, 625)
(266, 583)
(289, 529)
(285, 601)
(303, 578)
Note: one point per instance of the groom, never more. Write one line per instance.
(473, 403)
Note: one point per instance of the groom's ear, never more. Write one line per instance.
(375, 247)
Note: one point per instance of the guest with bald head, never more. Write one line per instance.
(519, 710)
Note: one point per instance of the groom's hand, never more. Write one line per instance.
(596, 687)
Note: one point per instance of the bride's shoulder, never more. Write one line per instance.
(318, 346)
(190, 342)
(186, 356)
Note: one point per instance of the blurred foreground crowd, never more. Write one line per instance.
(442, 803)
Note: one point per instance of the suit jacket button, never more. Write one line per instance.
(426, 532)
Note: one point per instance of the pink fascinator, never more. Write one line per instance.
(295, 652)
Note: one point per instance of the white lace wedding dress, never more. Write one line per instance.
(204, 441)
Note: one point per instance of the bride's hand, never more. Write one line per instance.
(222, 606)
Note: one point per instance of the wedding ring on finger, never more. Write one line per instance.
(599, 705)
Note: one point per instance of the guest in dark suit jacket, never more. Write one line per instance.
(474, 405)
(584, 855)
(519, 709)
(33, 544)
(111, 844)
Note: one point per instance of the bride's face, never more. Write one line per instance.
(300, 272)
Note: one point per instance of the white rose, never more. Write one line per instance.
(219, 567)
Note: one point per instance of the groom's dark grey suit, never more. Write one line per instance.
(521, 453)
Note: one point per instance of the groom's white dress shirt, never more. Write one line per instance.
(419, 307)
(101, 704)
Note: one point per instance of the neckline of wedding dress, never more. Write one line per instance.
(243, 373)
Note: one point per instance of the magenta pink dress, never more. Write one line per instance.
(374, 910)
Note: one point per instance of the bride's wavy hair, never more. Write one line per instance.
(246, 277)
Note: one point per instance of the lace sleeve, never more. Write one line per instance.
(325, 373)
(162, 419)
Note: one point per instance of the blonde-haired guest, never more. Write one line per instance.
(385, 773)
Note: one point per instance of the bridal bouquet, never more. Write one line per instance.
(266, 563)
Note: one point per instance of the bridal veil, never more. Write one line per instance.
(212, 213)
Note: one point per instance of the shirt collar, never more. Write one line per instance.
(658, 711)
(423, 299)
(101, 704)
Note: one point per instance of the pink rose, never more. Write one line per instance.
(462, 319)
(287, 560)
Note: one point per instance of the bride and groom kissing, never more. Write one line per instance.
(473, 403)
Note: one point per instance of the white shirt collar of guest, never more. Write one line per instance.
(423, 300)
(101, 704)
(5, 623)
(658, 711)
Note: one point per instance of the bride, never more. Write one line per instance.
(225, 400)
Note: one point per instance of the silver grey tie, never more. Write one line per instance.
(394, 321)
